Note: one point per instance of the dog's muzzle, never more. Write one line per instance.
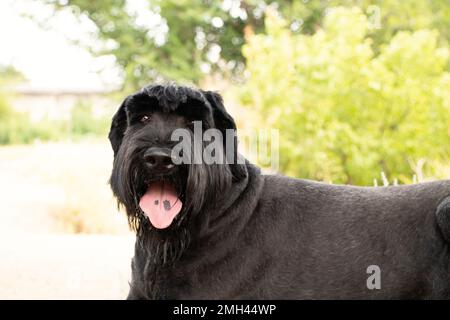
(161, 202)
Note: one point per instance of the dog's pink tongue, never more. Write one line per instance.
(161, 204)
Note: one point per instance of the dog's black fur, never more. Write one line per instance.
(242, 234)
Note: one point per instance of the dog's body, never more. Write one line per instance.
(272, 237)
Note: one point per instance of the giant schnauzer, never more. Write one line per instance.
(227, 231)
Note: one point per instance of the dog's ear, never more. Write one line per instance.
(118, 127)
(223, 121)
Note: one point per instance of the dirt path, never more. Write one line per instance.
(38, 259)
(65, 266)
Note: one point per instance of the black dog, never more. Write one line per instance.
(225, 231)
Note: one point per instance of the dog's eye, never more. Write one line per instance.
(145, 119)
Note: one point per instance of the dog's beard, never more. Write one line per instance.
(199, 188)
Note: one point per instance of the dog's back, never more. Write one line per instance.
(334, 233)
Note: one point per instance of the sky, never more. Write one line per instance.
(47, 56)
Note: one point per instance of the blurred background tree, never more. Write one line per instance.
(11, 126)
(345, 113)
(185, 40)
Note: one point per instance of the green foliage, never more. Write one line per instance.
(172, 39)
(13, 129)
(16, 128)
(6, 122)
(83, 122)
(346, 113)
(9, 74)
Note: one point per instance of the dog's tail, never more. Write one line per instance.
(443, 217)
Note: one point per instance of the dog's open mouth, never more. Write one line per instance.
(161, 204)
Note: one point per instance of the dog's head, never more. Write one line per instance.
(159, 192)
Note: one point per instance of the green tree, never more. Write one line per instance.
(345, 113)
(177, 39)
(11, 126)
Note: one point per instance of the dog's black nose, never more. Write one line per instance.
(158, 159)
